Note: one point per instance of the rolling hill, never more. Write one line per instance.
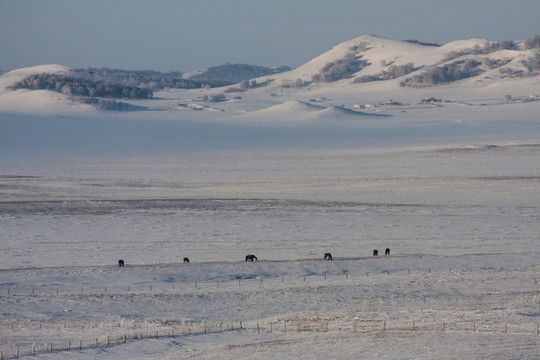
(365, 70)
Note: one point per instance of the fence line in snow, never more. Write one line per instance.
(283, 326)
(92, 289)
(117, 338)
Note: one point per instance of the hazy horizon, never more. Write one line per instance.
(186, 36)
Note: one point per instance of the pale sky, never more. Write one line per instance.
(186, 35)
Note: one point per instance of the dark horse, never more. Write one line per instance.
(120, 262)
(387, 251)
(186, 260)
(327, 256)
(251, 258)
(375, 252)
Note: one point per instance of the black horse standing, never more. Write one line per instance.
(120, 263)
(251, 258)
(327, 256)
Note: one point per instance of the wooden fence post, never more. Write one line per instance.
(384, 325)
(80, 344)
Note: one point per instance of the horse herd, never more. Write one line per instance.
(251, 258)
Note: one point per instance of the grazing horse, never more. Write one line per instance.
(327, 256)
(387, 251)
(186, 260)
(250, 258)
(120, 263)
(375, 252)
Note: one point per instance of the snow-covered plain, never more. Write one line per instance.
(452, 189)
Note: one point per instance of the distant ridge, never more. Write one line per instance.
(236, 73)
(362, 71)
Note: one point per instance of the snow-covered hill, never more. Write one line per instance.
(378, 54)
(367, 69)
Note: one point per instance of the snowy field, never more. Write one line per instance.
(462, 223)
(287, 174)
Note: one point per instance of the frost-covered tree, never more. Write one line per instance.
(339, 69)
(532, 43)
(218, 97)
(445, 74)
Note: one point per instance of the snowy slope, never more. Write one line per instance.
(37, 101)
(376, 53)
(379, 53)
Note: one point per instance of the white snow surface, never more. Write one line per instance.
(452, 189)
